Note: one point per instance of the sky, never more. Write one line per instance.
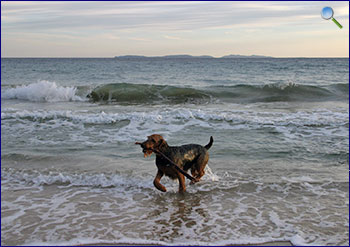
(156, 28)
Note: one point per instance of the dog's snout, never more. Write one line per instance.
(141, 144)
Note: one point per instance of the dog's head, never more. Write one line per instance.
(153, 142)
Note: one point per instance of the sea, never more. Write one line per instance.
(278, 169)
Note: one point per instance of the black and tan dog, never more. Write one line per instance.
(190, 156)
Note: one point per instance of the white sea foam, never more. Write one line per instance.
(209, 175)
(42, 91)
(130, 126)
(132, 241)
(100, 180)
(118, 208)
(100, 208)
(200, 117)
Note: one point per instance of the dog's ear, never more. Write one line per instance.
(162, 144)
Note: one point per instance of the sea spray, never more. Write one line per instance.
(42, 91)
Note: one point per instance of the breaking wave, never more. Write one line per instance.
(42, 91)
(124, 93)
(143, 93)
(289, 92)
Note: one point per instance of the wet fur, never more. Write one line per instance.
(190, 156)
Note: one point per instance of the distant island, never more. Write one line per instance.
(189, 56)
(242, 56)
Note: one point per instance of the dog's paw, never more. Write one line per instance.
(196, 180)
(160, 187)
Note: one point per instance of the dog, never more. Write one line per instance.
(190, 156)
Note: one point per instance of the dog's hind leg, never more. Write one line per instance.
(197, 169)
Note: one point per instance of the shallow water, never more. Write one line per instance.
(278, 168)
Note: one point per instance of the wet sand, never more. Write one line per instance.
(277, 243)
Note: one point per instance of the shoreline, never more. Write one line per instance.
(276, 243)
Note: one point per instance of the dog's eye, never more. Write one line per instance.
(153, 141)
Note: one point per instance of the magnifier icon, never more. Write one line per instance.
(327, 13)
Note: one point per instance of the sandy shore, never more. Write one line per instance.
(277, 243)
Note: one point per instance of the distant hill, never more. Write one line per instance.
(130, 56)
(243, 56)
(167, 56)
(188, 56)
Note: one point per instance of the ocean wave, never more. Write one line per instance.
(181, 116)
(96, 180)
(42, 91)
(211, 181)
(72, 116)
(280, 92)
(125, 93)
(100, 180)
(144, 93)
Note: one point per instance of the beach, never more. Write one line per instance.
(71, 173)
(286, 243)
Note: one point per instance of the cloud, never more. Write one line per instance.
(140, 39)
(171, 37)
(117, 25)
(164, 16)
(341, 11)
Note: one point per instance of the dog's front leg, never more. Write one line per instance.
(157, 183)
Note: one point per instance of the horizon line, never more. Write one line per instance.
(194, 56)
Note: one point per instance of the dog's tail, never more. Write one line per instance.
(210, 143)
